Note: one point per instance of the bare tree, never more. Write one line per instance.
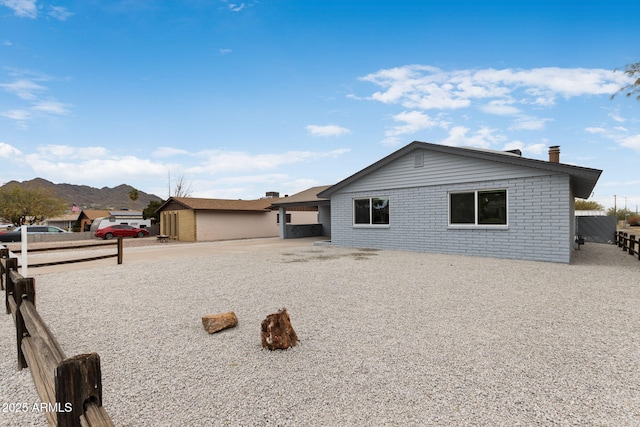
(182, 188)
(631, 70)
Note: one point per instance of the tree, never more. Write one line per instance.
(182, 188)
(631, 70)
(21, 205)
(620, 214)
(150, 211)
(133, 195)
(584, 205)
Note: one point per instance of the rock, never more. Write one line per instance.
(277, 332)
(216, 322)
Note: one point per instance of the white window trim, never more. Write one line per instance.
(370, 225)
(477, 226)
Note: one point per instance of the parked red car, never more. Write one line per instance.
(121, 230)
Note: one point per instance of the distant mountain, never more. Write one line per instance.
(86, 197)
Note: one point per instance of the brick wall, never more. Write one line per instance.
(539, 217)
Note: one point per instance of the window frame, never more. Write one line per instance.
(370, 224)
(476, 224)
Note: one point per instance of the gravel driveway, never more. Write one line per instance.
(387, 338)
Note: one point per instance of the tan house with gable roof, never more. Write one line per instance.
(196, 219)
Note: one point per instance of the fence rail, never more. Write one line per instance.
(69, 387)
(118, 254)
(628, 243)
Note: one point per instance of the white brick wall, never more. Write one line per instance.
(539, 210)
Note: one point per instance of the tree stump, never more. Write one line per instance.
(213, 323)
(277, 332)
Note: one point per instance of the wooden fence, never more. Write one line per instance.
(70, 388)
(117, 254)
(628, 243)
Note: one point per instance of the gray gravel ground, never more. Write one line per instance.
(387, 338)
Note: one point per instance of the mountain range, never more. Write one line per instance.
(85, 197)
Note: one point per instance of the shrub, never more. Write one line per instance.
(633, 220)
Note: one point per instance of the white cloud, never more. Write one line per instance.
(234, 7)
(22, 8)
(237, 161)
(59, 12)
(500, 107)
(8, 151)
(632, 142)
(413, 121)
(617, 117)
(595, 130)
(225, 51)
(17, 115)
(426, 87)
(26, 86)
(51, 107)
(532, 148)
(327, 130)
(529, 123)
(483, 138)
(23, 88)
(168, 152)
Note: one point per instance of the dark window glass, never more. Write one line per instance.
(462, 208)
(362, 211)
(492, 207)
(380, 211)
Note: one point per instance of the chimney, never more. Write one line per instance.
(554, 154)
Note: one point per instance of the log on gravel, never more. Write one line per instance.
(277, 332)
(213, 323)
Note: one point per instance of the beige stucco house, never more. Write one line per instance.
(192, 219)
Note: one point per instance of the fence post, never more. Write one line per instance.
(120, 240)
(25, 289)
(632, 243)
(625, 241)
(12, 264)
(77, 380)
(4, 253)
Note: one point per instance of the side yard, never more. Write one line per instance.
(387, 338)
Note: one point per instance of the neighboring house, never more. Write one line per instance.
(434, 198)
(66, 221)
(87, 216)
(194, 219)
(305, 200)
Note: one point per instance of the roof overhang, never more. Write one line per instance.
(583, 179)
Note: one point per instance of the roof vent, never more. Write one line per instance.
(516, 152)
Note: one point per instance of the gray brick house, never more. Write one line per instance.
(434, 198)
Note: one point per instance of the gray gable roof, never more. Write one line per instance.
(583, 179)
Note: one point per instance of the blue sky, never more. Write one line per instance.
(243, 97)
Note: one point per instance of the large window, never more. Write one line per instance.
(478, 208)
(371, 211)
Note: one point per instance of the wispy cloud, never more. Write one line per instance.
(216, 161)
(29, 87)
(60, 13)
(327, 130)
(233, 7)
(22, 8)
(29, 9)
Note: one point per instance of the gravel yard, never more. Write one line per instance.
(387, 338)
